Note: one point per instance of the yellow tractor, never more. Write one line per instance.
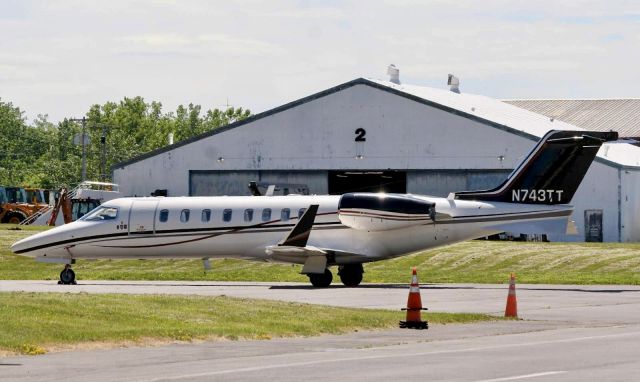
(16, 205)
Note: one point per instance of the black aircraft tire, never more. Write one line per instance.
(68, 276)
(14, 218)
(351, 275)
(321, 280)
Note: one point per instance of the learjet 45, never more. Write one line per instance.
(329, 230)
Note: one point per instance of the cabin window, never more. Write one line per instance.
(226, 215)
(301, 212)
(164, 216)
(266, 214)
(248, 215)
(101, 213)
(284, 214)
(206, 215)
(184, 215)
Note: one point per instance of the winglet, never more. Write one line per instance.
(300, 233)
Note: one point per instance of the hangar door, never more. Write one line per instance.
(212, 183)
(341, 182)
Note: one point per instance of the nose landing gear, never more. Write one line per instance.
(67, 276)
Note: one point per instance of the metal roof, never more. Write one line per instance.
(516, 119)
(489, 111)
(621, 115)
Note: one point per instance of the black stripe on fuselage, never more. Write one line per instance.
(70, 241)
(184, 232)
(285, 227)
(132, 235)
(209, 236)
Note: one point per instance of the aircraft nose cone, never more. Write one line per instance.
(28, 245)
(19, 246)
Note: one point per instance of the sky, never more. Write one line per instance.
(60, 57)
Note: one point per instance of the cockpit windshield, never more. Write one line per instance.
(101, 213)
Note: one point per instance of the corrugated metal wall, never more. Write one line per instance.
(217, 183)
(443, 182)
(428, 182)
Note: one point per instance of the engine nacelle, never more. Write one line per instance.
(382, 212)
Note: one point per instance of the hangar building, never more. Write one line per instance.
(374, 135)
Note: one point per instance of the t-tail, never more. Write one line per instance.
(552, 171)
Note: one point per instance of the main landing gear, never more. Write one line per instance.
(321, 280)
(67, 276)
(350, 275)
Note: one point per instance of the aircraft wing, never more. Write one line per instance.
(294, 248)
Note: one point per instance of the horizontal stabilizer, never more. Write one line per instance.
(558, 225)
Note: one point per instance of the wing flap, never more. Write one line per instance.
(294, 248)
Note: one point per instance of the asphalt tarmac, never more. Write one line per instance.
(568, 333)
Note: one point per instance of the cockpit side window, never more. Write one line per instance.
(101, 213)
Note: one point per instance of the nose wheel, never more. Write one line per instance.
(67, 276)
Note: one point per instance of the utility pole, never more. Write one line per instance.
(83, 142)
(103, 148)
(103, 159)
(84, 149)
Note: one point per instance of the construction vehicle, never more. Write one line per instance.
(36, 196)
(15, 205)
(75, 203)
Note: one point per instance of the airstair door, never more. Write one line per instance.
(142, 217)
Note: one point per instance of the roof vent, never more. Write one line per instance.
(454, 83)
(394, 74)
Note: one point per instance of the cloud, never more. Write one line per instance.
(262, 54)
(227, 44)
(159, 40)
(219, 44)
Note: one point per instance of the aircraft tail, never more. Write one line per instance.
(552, 171)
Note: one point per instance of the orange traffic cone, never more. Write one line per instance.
(512, 304)
(414, 306)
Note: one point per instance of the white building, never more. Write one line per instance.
(371, 135)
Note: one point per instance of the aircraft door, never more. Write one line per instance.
(593, 226)
(142, 217)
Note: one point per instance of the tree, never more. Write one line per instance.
(43, 154)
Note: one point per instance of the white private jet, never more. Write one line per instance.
(322, 231)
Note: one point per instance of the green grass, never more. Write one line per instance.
(472, 261)
(34, 323)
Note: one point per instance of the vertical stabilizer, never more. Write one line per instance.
(552, 171)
